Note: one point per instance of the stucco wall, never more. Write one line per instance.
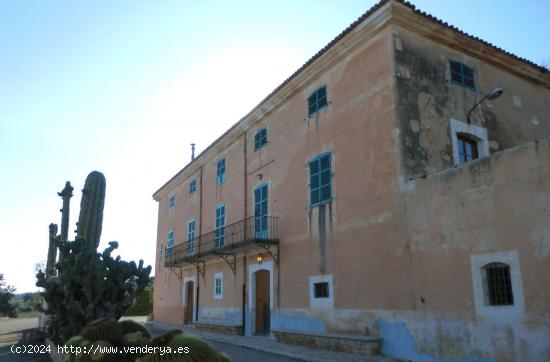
(494, 205)
(428, 99)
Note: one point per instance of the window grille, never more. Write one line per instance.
(498, 284)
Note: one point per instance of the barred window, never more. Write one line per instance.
(498, 284)
(321, 290)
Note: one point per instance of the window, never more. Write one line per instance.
(218, 285)
(462, 74)
(191, 237)
(320, 179)
(170, 242)
(220, 171)
(172, 201)
(467, 148)
(260, 212)
(161, 250)
(497, 284)
(317, 100)
(260, 139)
(219, 234)
(192, 187)
(321, 290)
(469, 142)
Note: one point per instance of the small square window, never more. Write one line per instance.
(321, 290)
(462, 74)
(317, 100)
(220, 171)
(260, 139)
(192, 187)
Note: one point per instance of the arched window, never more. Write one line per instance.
(466, 147)
(497, 284)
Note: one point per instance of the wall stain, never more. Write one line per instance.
(322, 238)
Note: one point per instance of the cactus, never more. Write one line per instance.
(101, 352)
(89, 284)
(224, 357)
(91, 209)
(199, 349)
(52, 250)
(165, 338)
(133, 339)
(106, 329)
(129, 326)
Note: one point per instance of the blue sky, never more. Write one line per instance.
(124, 87)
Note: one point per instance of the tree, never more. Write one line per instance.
(6, 294)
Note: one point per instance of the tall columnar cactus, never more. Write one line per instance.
(91, 209)
(52, 251)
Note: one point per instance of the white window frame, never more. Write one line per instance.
(218, 276)
(476, 133)
(321, 303)
(482, 308)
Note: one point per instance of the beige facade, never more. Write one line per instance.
(400, 246)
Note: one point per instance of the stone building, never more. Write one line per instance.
(396, 185)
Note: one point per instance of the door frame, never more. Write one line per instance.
(252, 269)
(184, 296)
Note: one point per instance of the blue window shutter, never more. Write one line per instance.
(320, 179)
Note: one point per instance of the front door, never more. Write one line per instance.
(260, 212)
(262, 303)
(188, 313)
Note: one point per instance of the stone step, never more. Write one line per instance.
(338, 342)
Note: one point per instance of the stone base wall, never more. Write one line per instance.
(220, 328)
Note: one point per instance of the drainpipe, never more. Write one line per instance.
(245, 229)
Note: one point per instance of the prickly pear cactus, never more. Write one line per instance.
(91, 209)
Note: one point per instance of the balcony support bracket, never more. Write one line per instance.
(272, 250)
(230, 259)
(201, 268)
(175, 271)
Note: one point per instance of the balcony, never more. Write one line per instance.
(226, 242)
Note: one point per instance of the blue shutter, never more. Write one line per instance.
(320, 179)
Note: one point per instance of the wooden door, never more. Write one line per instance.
(262, 302)
(188, 315)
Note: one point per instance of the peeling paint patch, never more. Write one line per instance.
(517, 101)
(398, 342)
(535, 120)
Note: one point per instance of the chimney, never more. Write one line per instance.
(192, 151)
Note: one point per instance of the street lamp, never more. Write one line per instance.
(495, 93)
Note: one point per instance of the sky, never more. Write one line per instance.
(124, 87)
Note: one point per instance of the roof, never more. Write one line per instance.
(346, 31)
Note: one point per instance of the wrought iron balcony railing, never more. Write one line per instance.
(260, 230)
